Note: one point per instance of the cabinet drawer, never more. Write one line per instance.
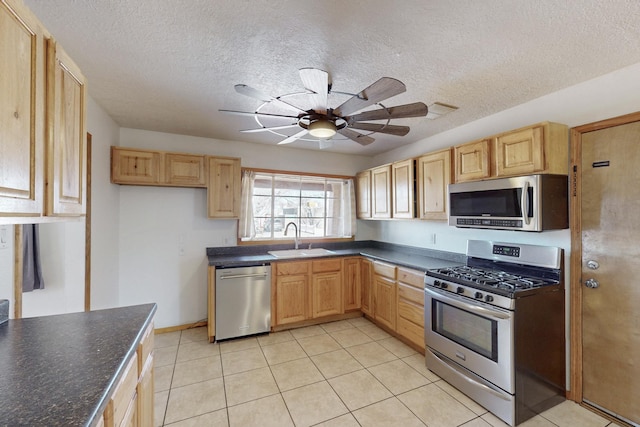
(125, 390)
(386, 270)
(411, 277)
(287, 268)
(410, 293)
(332, 264)
(411, 312)
(145, 348)
(411, 331)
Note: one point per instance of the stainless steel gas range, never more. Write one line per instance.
(494, 328)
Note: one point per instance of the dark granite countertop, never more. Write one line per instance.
(60, 370)
(406, 256)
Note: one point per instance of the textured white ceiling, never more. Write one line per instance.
(169, 66)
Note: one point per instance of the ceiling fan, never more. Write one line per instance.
(321, 121)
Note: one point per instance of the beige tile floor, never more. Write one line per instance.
(338, 374)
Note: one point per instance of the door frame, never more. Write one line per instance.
(576, 289)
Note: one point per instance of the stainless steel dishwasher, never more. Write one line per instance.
(243, 301)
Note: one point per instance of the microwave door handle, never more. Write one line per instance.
(524, 203)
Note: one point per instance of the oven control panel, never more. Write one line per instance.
(469, 292)
(513, 251)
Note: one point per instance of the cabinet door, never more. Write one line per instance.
(381, 192)
(384, 305)
(520, 152)
(66, 135)
(326, 296)
(363, 194)
(21, 111)
(291, 299)
(411, 313)
(186, 170)
(366, 286)
(473, 161)
(434, 177)
(146, 394)
(224, 187)
(351, 284)
(129, 166)
(403, 184)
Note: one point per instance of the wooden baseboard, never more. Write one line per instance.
(180, 327)
(310, 322)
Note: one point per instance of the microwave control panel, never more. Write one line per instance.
(488, 222)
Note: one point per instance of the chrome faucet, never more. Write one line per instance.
(294, 226)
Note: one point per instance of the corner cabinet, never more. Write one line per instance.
(434, 176)
(66, 135)
(42, 127)
(224, 187)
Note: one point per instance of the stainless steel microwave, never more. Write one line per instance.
(524, 203)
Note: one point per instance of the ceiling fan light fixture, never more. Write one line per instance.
(323, 129)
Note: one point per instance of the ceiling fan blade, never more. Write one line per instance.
(293, 138)
(317, 81)
(269, 128)
(382, 89)
(355, 136)
(247, 113)
(261, 96)
(417, 109)
(381, 128)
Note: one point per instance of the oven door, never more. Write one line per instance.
(475, 335)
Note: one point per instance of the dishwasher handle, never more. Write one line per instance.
(239, 276)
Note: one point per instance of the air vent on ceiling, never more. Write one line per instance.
(438, 109)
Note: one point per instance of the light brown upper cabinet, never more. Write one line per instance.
(22, 107)
(224, 187)
(434, 176)
(150, 167)
(403, 184)
(66, 135)
(363, 194)
(42, 127)
(473, 161)
(381, 192)
(541, 148)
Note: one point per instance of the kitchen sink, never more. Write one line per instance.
(301, 253)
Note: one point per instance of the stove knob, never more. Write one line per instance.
(436, 283)
(460, 290)
(488, 298)
(444, 285)
(478, 295)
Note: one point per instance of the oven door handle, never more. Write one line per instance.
(474, 308)
(525, 203)
(461, 374)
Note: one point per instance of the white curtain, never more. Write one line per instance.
(349, 209)
(246, 229)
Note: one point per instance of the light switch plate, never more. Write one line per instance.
(4, 236)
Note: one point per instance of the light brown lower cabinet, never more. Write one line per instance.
(410, 320)
(131, 404)
(384, 294)
(366, 286)
(352, 286)
(291, 292)
(326, 287)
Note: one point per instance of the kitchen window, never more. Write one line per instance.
(320, 206)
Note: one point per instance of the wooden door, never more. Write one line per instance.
(473, 161)
(326, 294)
(66, 136)
(363, 194)
(381, 192)
(366, 286)
(351, 284)
(131, 166)
(434, 177)
(520, 152)
(22, 106)
(403, 183)
(291, 299)
(608, 268)
(384, 305)
(224, 187)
